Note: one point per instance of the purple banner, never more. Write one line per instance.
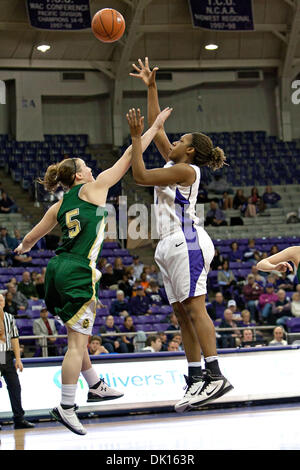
(59, 15)
(222, 15)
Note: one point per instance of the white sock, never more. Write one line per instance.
(68, 393)
(194, 364)
(90, 376)
(211, 358)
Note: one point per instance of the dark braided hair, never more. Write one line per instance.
(205, 153)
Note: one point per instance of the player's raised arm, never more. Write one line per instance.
(180, 173)
(148, 76)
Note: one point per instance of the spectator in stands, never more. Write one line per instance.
(27, 287)
(101, 264)
(10, 306)
(137, 267)
(6, 240)
(153, 272)
(274, 250)
(217, 261)
(128, 327)
(7, 205)
(229, 339)
(215, 216)
(95, 346)
(249, 209)
(178, 339)
(246, 319)
(236, 254)
(251, 253)
(40, 285)
(284, 282)
(226, 279)
(278, 335)
(17, 237)
(164, 340)
(257, 200)
(173, 346)
(112, 343)
(21, 260)
(270, 198)
(174, 325)
(120, 306)
(233, 307)
(108, 279)
(154, 293)
(140, 304)
(252, 290)
(247, 338)
(125, 285)
(226, 201)
(261, 280)
(45, 326)
(143, 281)
(119, 269)
(281, 310)
(239, 199)
(217, 306)
(266, 302)
(202, 194)
(20, 299)
(153, 344)
(295, 304)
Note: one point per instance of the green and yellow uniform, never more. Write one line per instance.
(72, 280)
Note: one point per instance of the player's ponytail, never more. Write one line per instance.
(205, 153)
(63, 173)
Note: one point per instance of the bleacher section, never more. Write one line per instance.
(254, 158)
(14, 221)
(26, 161)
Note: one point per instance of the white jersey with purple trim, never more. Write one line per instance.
(168, 201)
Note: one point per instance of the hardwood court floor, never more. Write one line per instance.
(259, 428)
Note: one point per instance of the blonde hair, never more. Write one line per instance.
(63, 173)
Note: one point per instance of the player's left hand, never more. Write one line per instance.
(135, 122)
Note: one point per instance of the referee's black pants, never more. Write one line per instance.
(9, 373)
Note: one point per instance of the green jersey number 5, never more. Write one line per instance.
(73, 224)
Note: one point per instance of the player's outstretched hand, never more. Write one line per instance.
(144, 72)
(162, 117)
(135, 122)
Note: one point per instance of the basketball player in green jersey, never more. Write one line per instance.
(280, 261)
(72, 280)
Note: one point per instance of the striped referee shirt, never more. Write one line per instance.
(11, 331)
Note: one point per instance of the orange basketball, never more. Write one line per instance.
(108, 25)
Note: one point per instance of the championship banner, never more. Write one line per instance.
(59, 15)
(222, 15)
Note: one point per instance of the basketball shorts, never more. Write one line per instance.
(71, 288)
(184, 263)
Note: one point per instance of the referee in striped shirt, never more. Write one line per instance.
(10, 349)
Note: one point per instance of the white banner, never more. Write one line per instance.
(145, 384)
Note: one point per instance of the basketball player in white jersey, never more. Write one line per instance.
(185, 250)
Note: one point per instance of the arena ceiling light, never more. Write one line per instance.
(211, 47)
(43, 47)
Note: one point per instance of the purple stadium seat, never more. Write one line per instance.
(293, 325)
(102, 312)
(107, 294)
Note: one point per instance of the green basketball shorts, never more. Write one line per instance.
(71, 291)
